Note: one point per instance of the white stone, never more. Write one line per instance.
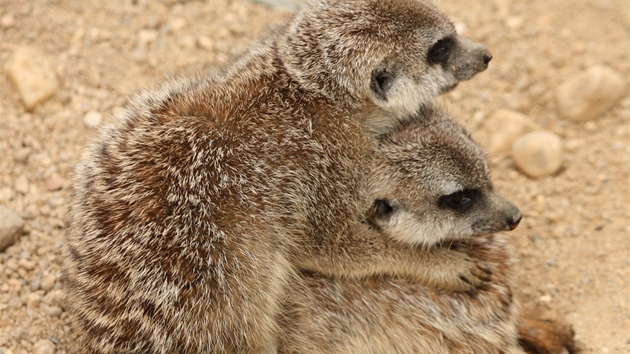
(32, 301)
(6, 194)
(21, 184)
(589, 94)
(538, 153)
(32, 74)
(48, 282)
(205, 42)
(287, 4)
(53, 311)
(176, 24)
(92, 119)
(11, 226)
(147, 36)
(7, 21)
(44, 346)
(502, 128)
(54, 182)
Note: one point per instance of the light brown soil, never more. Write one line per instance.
(573, 247)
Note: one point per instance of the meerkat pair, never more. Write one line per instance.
(193, 210)
(431, 187)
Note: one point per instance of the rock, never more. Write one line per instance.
(11, 226)
(33, 75)
(176, 24)
(205, 42)
(53, 183)
(47, 282)
(7, 21)
(590, 93)
(53, 311)
(44, 346)
(287, 4)
(34, 284)
(6, 194)
(501, 129)
(26, 264)
(538, 153)
(147, 36)
(21, 184)
(32, 301)
(92, 119)
(55, 298)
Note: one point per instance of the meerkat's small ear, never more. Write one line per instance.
(381, 82)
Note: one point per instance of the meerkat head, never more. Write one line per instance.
(393, 55)
(432, 184)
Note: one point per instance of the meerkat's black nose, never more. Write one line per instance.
(514, 221)
(487, 58)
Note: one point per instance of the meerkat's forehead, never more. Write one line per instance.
(437, 150)
(397, 18)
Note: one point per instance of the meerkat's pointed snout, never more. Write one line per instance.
(514, 220)
(514, 216)
(472, 58)
(487, 57)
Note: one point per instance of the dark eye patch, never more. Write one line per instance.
(460, 201)
(441, 50)
(382, 209)
(381, 81)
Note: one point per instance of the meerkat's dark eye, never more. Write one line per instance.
(382, 80)
(440, 51)
(382, 209)
(460, 201)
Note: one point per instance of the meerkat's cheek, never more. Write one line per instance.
(410, 230)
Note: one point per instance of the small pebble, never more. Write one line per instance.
(7, 21)
(589, 94)
(53, 183)
(205, 42)
(55, 298)
(34, 284)
(47, 282)
(545, 298)
(6, 194)
(175, 24)
(538, 154)
(53, 311)
(502, 128)
(286, 4)
(32, 301)
(26, 264)
(146, 36)
(92, 119)
(44, 346)
(11, 226)
(21, 184)
(186, 41)
(32, 74)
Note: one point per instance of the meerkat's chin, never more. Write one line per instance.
(450, 88)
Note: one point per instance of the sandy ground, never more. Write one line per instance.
(572, 249)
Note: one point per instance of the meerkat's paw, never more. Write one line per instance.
(463, 273)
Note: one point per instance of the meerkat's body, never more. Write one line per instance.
(432, 187)
(193, 209)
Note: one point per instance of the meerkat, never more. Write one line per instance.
(431, 187)
(192, 210)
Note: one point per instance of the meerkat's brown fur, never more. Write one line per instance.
(193, 209)
(420, 168)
